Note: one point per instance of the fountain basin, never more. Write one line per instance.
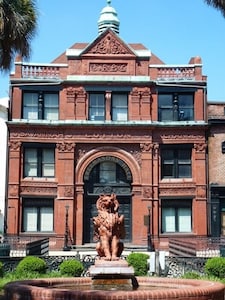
(154, 288)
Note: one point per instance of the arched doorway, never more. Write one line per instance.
(106, 175)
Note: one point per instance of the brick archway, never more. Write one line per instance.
(126, 157)
(86, 203)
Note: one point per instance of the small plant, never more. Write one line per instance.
(139, 262)
(215, 267)
(71, 267)
(31, 265)
(191, 275)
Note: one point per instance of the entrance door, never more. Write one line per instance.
(106, 175)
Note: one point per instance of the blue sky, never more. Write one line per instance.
(174, 30)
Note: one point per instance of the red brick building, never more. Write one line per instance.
(216, 148)
(107, 117)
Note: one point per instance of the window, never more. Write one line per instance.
(97, 107)
(38, 215)
(39, 161)
(175, 107)
(39, 105)
(177, 216)
(176, 161)
(119, 107)
(115, 106)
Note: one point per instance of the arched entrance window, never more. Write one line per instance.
(106, 175)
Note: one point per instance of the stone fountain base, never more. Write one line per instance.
(154, 288)
(113, 274)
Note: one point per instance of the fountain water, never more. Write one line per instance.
(111, 278)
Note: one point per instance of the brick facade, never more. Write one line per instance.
(157, 200)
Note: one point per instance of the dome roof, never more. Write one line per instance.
(108, 19)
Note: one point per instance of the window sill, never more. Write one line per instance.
(177, 180)
(39, 179)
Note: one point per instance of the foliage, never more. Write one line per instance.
(215, 267)
(71, 267)
(218, 4)
(31, 265)
(139, 262)
(1, 269)
(18, 22)
(191, 275)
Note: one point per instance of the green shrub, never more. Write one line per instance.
(191, 275)
(71, 267)
(31, 264)
(215, 267)
(139, 262)
(1, 269)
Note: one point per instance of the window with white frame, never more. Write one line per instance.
(96, 106)
(38, 215)
(119, 107)
(40, 105)
(117, 103)
(176, 216)
(39, 161)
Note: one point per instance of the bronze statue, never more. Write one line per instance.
(108, 228)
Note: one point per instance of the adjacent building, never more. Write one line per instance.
(108, 117)
(3, 161)
(216, 148)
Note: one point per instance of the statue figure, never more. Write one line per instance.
(108, 228)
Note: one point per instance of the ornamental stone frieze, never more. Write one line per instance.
(147, 192)
(108, 136)
(201, 191)
(146, 147)
(14, 145)
(182, 189)
(13, 190)
(65, 147)
(38, 134)
(108, 67)
(200, 147)
(35, 190)
(137, 156)
(179, 136)
(138, 93)
(108, 45)
(68, 191)
(73, 93)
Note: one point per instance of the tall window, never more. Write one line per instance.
(177, 216)
(114, 105)
(119, 107)
(176, 161)
(39, 161)
(175, 107)
(97, 107)
(39, 105)
(38, 215)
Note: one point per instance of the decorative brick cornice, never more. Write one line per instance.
(200, 147)
(65, 147)
(146, 147)
(14, 145)
(108, 45)
(108, 67)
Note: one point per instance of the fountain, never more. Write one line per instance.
(111, 278)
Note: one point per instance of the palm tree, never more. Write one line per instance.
(218, 4)
(18, 22)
